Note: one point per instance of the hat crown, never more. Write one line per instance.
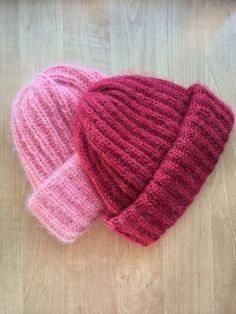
(42, 115)
(130, 122)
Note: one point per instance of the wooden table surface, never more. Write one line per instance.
(192, 269)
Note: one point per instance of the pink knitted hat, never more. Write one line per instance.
(63, 199)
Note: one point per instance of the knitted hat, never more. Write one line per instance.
(63, 199)
(148, 145)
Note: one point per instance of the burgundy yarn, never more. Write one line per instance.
(148, 145)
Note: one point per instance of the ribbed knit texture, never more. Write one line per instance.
(63, 199)
(148, 145)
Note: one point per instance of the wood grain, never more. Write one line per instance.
(192, 269)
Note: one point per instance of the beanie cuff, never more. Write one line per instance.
(201, 139)
(65, 203)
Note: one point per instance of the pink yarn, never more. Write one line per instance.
(63, 198)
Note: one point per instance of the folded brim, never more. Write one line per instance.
(201, 139)
(65, 203)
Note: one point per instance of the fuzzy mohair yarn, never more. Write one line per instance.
(148, 145)
(63, 199)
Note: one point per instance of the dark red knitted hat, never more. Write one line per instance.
(148, 146)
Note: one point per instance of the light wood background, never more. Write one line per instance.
(192, 269)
